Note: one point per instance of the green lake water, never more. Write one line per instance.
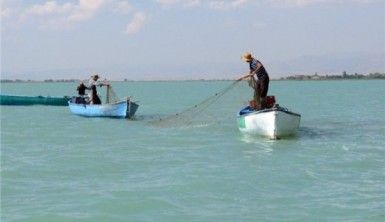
(56, 166)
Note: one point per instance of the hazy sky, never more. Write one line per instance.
(189, 39)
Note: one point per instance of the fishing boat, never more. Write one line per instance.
(33, 100)
(275, 122)
(121, 109)
(113, 107)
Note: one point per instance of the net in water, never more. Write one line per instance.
(186, 117)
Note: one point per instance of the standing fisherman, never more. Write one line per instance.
(260, 86)
(93, 94)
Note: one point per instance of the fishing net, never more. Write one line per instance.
(186, 117)
(111, 96)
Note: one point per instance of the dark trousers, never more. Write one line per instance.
(260, 86)
(263, 86)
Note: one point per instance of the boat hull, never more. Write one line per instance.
(122, 109)
(273, 123)
(33, 100)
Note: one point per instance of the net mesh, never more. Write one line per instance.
(111, 96)
(186, 117)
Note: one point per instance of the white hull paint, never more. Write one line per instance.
(273, 123)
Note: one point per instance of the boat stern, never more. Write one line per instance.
(131, 109)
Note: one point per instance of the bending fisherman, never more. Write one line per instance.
(260, 86)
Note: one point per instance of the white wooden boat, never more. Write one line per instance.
(274, 122)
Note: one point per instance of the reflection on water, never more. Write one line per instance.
(260, 145)
(255, 139)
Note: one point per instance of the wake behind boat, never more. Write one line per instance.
(274, 122)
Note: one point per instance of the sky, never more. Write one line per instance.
(189, 39)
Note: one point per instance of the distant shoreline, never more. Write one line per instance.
(344, 76)
(314, 77)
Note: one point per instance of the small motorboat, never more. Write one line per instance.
(121, 109)
(16, 100)
(275, 122)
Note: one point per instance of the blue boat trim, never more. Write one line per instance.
(248, 111)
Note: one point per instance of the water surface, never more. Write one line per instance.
(56, 166)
